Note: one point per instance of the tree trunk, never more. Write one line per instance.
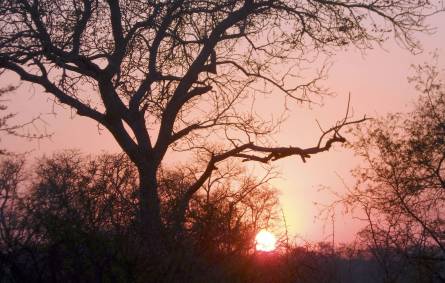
(179, 217)
(149, 211)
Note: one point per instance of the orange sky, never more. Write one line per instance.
(377, 83)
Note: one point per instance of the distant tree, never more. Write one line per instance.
(72, 217)
(68, 219)
(224, 216)
(162, 75)
(401, 185)
(12, 232)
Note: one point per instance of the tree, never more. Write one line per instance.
(224, 217)
(71, 217)
(400, 188)
(12, 232)
(163, 75)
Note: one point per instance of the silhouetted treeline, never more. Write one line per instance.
(400, 185)
(72, 218)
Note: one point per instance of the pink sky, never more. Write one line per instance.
(377, 84)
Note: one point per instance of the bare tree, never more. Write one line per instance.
(163, 75)
(225, 215)
(400, 187)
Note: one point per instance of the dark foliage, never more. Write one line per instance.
(400, 187)
(71, 218)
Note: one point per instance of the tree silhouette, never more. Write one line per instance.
(71, 217)
(163, 75)
(400, 187)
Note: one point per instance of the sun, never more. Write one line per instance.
(265, 241)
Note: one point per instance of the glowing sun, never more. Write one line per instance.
(265, 241)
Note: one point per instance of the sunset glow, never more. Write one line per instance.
(265, 241)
